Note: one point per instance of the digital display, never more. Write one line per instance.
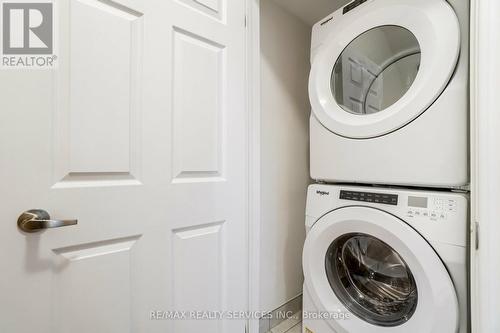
(419, 202)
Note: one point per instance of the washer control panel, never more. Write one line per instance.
(433, 208)
(382, 198)
(438, 216)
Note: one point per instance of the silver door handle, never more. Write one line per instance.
(35, 220)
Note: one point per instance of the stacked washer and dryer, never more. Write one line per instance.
(387, 220)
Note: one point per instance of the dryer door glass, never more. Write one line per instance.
(375, 70)
(371, 279)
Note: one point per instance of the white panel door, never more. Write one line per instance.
(140, 135)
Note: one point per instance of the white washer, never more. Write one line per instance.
(383, 260)
(389, 93)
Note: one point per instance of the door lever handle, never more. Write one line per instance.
(37, 220)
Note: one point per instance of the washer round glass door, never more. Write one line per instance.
(372, 265)
(380, 68)
(372, 279)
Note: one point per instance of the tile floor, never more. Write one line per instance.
(291, 325)
(296, 329)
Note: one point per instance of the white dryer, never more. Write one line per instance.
(380, 260)
(389, 93)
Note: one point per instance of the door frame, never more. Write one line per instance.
(252, 21)
(485, 163)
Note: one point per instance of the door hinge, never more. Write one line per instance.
(476, 236)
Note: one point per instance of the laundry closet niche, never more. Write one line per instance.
(285, 43)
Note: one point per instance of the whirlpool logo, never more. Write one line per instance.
(28, 34)
(322, 192)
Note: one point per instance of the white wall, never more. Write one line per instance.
(311, 11)
(285, 45)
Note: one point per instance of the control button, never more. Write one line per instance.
(442, 216)
(434, 215)
(379, 198)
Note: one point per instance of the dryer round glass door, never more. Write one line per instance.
(382, 65)
(379, 272)
(371, 279)
(375, 70)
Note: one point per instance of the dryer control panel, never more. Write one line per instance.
(352, 5)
